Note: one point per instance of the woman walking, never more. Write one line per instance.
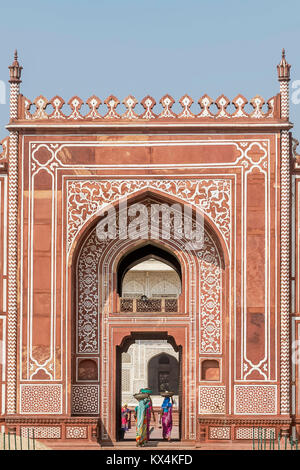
(149, 410)
(141, 418)
(166, 415)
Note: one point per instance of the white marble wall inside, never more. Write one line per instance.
(153, 279)
(149, 363)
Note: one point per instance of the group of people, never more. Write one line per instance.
(143, 412)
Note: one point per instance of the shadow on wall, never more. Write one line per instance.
(101, 431)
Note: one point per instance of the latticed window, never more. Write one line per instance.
(126, 380)
(126, 358)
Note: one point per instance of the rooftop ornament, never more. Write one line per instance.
(15, 70)
(283, 68)
(222, 109)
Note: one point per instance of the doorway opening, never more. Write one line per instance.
(148, 360)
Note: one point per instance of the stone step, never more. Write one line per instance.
(152, 446)
(122, 445)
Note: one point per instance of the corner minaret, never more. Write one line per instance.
(12, 245)
(15, 70)
(283, 70)
(14, 79)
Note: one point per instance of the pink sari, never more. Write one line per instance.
(125, 414)
(166, 421)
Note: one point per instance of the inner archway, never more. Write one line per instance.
(151, 279)
(163, 372)
(137, 358)
(102, 318)
(154, 258)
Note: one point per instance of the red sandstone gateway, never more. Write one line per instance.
(65, 323)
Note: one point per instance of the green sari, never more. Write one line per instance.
(141, 421)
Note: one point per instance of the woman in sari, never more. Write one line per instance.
(166, 418)
(141, 421)
(149, 410)
(125, 419)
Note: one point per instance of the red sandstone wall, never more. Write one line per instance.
(52, 224)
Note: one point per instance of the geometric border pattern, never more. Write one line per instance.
(41, 399)
(12, 253)
(219, 432)
(255, 399)
(85, 399)
(247, 433)
(285, 204)
(41, 432)
(211, 399)
(76, 432)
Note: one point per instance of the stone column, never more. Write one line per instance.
(285, 220)
(12, 286)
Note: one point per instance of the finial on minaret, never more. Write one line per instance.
(283, 68)
(15, 70)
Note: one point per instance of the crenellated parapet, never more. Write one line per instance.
(222, 108)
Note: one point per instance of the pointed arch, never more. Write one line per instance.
(143, 253)
(141, 195)
(95, 314)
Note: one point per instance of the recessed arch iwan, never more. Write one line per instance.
(98, 327)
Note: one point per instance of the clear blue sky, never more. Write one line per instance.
(121, 47)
